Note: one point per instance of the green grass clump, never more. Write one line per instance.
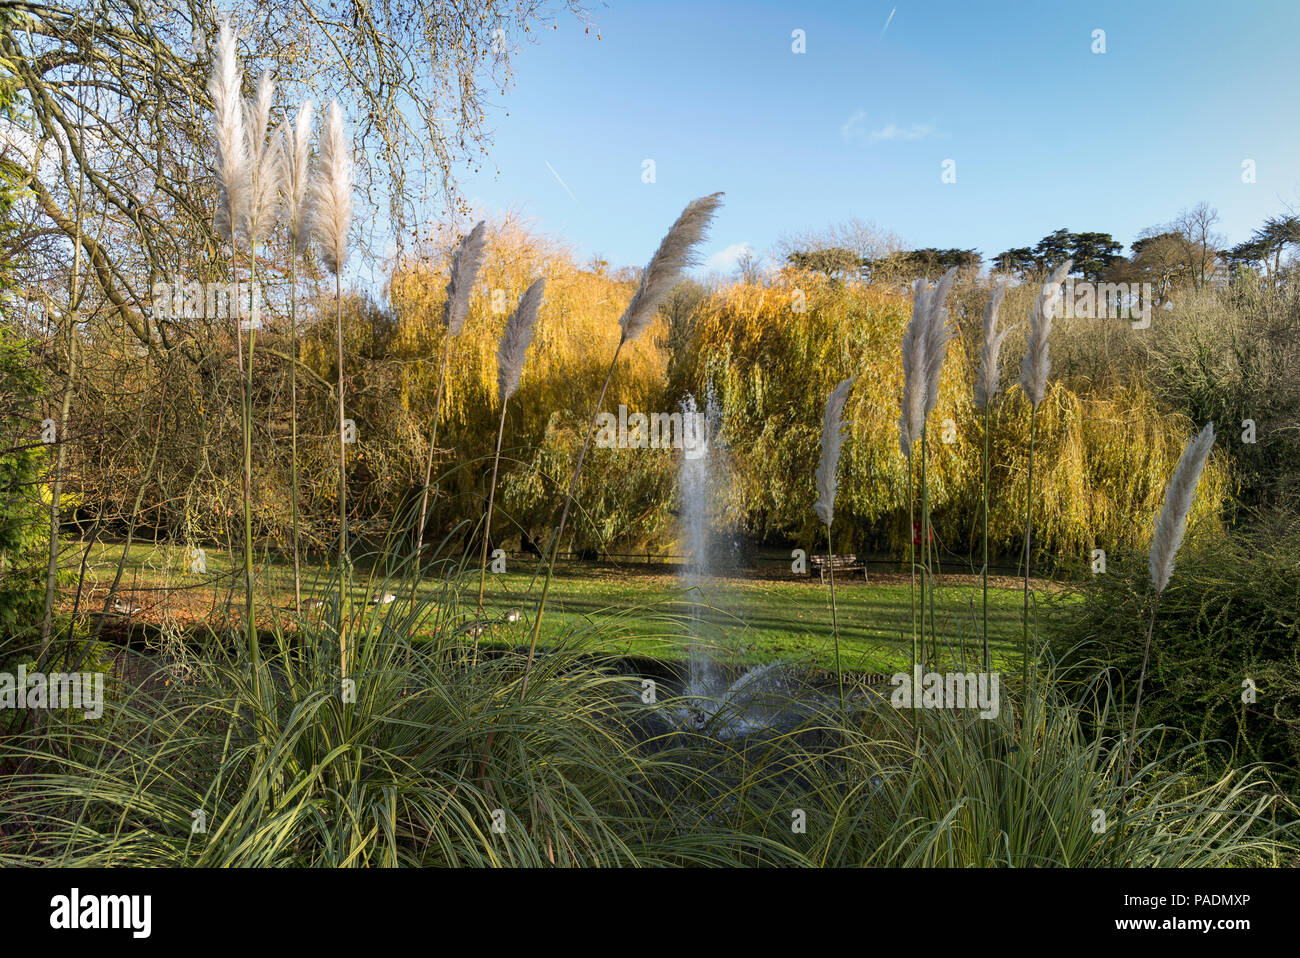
(1033, 787)
(440, 761)
(436, 762)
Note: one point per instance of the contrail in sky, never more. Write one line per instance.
(562, 183)
(888, 21)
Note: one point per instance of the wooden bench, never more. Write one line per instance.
(846, 563)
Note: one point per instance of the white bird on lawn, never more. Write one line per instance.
(514, 615)
(126, 608)
(384, 599)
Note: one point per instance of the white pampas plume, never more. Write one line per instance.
(266, 170)
(925, 344)
(1178, 502)
(676, 251)
(1036, 365)
(937, 338)
(331, 192)
(986, 386)
(515, 340)
(833, 434)
(297, 154)
(913, 403)
(465, 264)
(233, 159)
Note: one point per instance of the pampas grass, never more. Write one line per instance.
(233, 159)
(924, 348)
(297, 155)
(331, 214)
(988, 384)
(266, 171)
(1169, 533)
(516, 339)
(986, 388)
(1178, 502)
(466, 261)
(1037, 365)
(1170, 527)
(238, 154)
(675, 253)
(925, 345)
(1034, 370)
(465, 264)
(401, 779)
(331, 193)
(833, 434)
(296, 145)
(510, 364)
(938, 336)
(912, 416)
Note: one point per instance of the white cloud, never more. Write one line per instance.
(917, 131)
(854, 130)
(726, 260)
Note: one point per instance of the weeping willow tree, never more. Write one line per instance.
(623, 496)
(772, 353)
(1101, 465)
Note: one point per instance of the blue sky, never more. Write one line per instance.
(1043, 132)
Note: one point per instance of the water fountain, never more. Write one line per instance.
(760, 697)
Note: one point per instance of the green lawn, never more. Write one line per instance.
(629, 611)
(757, 620)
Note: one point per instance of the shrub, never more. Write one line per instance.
(1231, 355)
(1230, 614)
(24, 527)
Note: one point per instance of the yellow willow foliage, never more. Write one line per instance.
(772, 356)
(1101, 459)
(575, 338)
(1101, 464)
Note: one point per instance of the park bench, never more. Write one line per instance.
(846, 563)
